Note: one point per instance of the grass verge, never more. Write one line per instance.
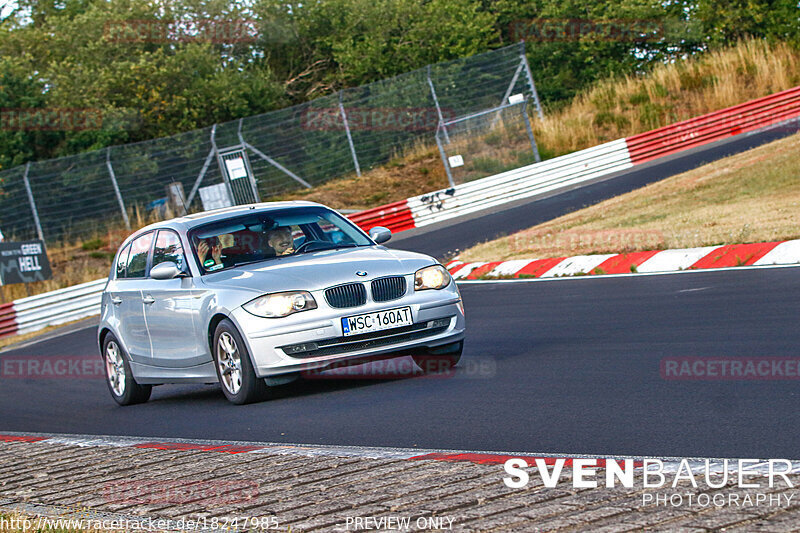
(753, 196)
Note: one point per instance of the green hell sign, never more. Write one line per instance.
(23, 262)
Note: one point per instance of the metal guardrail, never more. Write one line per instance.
(750, 116)
(531, 180)
(51, 308)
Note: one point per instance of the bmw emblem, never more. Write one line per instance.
(361, 273)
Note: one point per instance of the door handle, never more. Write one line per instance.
(116, 300)
(149, 300)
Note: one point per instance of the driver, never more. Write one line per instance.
(280, 240)
(213, 245)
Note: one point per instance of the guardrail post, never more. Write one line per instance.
(349, 137)
(116, 189)
(32, 202)
(438, 109)
(524, 59)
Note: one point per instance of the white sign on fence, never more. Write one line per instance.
(215, 197)
(455, 161)
(236, 168)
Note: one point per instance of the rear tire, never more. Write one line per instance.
(439, 359)
(234, 367)
(119, 378)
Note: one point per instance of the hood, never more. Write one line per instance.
(318, 270)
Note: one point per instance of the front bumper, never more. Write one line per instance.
(314, 339)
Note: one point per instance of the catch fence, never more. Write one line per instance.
(261, 156)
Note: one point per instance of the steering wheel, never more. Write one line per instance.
(307, 244)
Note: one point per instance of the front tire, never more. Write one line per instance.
(234, 367)
(439, 359)
(119, 378)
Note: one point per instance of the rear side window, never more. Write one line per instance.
(140, 249)
(168, 248)
(122, 261)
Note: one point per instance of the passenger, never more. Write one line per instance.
(215, 261)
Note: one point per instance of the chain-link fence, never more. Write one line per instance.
(301, 146)
(487, 142)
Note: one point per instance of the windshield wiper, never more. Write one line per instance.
(331, 246)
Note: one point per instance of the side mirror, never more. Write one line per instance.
(380, 234)
(166, 270)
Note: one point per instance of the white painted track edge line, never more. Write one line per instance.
(626, 275)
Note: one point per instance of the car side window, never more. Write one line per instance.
(122, 261)
(140, 249)
(168, 248)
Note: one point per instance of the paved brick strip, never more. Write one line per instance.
(298, 488)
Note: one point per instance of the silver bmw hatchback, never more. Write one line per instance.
(252, 296)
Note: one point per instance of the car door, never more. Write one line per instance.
(127, 298)
(172, 309)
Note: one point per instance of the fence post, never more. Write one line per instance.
(349, 136)
(534, 147)
(32, 202)
(199, 180)
(221, 165)
(116, 189)
(438, 109)
(250, 175)
(510, 88)
(536, 101)
(444, 158)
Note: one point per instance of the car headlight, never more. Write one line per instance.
(432, 277)
(280, 304)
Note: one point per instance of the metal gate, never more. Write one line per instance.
(235, 167)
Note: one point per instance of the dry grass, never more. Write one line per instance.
(673, 92)
(749, 197)
(417, 172)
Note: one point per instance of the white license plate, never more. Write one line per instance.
(377, 321)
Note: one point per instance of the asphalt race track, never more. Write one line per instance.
(461, 233)
(568, 366)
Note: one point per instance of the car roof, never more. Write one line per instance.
(187, 222)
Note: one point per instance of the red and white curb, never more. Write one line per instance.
(655, 261)
(669, 464)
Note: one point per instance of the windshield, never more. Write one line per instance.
(269, 235)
